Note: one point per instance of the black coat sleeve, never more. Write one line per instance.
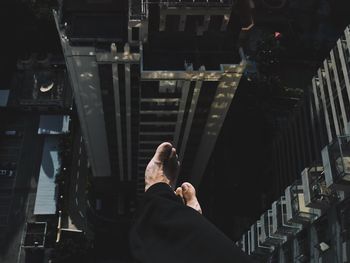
(166, 231)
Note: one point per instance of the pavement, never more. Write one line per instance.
(76, 216)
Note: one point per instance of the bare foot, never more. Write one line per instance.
(188, 194)
(163, 167)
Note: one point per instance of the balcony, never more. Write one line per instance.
(244, 243)
(248, 237)
(267, 237)
(297, 212)
(336, 163)
(316, 193)
(256, 247)
(280, 225)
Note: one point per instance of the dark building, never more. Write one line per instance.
(143, 73)
(318, 119)
(147, 71)
(310, 221)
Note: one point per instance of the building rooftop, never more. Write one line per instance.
(45, 202)
(53, 124)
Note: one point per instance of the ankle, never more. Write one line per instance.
(149, 182)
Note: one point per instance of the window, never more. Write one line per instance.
(135, 31)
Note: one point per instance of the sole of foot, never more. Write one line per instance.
(163, 167)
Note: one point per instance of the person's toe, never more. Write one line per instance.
(178, 192)
(189, 195)
(188, 191)
(163, 152)
(171, 165)
(174, 159)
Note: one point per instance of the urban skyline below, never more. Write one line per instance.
(254, 95)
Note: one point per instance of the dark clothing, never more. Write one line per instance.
(167, 231)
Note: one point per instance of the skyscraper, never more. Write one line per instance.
(310, 221)
(319, 119)
(147, 72)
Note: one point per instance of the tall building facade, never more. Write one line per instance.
(310, 222)
(146, 72)
(323, 115)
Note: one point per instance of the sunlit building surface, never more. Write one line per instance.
(310, 222)
(147, 72)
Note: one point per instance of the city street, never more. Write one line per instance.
(77, 195)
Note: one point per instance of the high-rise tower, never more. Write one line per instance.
(147, 72)
(310, 222)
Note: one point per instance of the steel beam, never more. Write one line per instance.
(324, 105)
(118, 119)
(128, 116)
(317, 106)
(347, 37)
(344, 67)
(339, 93)
(190, 117)
(228, 71)
(331, 98)
(121, 58)
(185, 87)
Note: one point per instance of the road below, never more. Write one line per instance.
(77, 187)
